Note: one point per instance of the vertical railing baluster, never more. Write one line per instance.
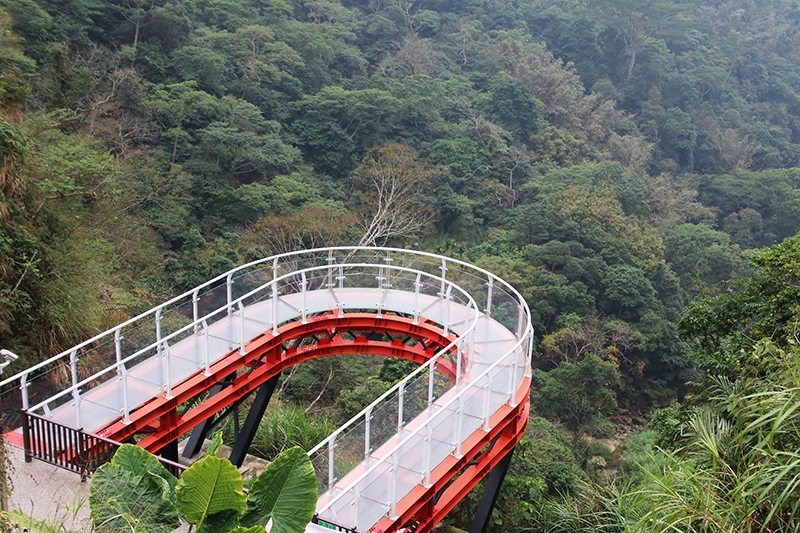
(401, 393)
(443, 268)
(196, 311)
(242, 350)
(367, 436)
(207, 344)
(304, 309)
(426, 454)
(448, 299)
(274, 307)
(76, 395)
(487, 401)
(417, 287)
(430, 385)
(229, 292)
(331, 464)
(393, 474)
(459, 426)
(126, 411)
(489, 297)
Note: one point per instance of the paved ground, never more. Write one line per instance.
(58, 496)
(48, 493)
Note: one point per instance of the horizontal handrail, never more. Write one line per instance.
(273, 283)
(20, 376)
(416, 431)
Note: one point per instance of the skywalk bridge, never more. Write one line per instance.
(403, 462)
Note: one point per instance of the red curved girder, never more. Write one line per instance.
(265, 357)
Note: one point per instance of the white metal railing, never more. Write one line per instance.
(83, 359)
(460, 284)
(160, 348)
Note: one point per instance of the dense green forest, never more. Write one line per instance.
(624, 164)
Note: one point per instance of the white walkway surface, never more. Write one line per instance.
(363, 473)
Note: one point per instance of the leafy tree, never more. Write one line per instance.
(580, 395)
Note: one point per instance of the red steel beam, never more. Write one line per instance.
(270, 348)
(454, 477)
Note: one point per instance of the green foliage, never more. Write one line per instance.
(285, 426)
(751, 331)
(135, 493)
(285, 493)
(210, 489)
(581, 395)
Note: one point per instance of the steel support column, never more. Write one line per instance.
(494, 481)
(248, 431)
(199, 434)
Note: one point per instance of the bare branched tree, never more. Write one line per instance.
(397, 197)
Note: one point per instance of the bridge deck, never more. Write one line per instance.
(494, 356)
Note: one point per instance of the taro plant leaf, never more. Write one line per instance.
(285, 492)
(251, 529)
(120, 500)
(210, 486)
(137, 460)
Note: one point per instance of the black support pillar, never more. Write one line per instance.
(494, 481)
(248, 431)
(199, 434)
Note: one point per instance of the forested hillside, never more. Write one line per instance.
(615, 160)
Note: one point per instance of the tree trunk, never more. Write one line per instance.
(631, 62)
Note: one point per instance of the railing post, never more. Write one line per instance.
(229, 292)
(388, 272)
(430, 384)
(207, 346)
(242, 351)
(401, 394)
(459, 426)
(367, 439)
(513, 378)
(426, 455)
(417, 287)
(487, 402)
(274, 307)
(393, 487)
(331, 464)
(23, 387)
(168, 367)
(448, 299)
(520, 321)
(443, 268)
(196, 311)
(459, 356)
(340, 277)
(330, 260)
(126, 412)
(304, 309)
(76, 395)
(489, 297)
(158, 330)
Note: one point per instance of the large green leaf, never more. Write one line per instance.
(120, 500)
(285, 492)
(210, 486)
(137, 460)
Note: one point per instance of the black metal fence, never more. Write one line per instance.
(70, 448)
